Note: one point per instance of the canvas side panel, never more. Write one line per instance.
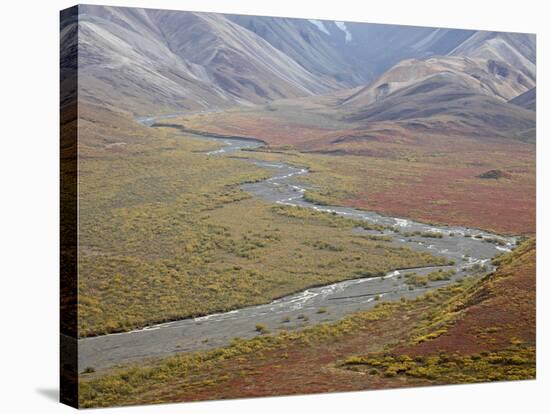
(69, 206)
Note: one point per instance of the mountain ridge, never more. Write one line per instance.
(147, 62)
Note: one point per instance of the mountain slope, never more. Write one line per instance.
(377, 47)
(527, 100)
(498, 80)
(497, 64)
(516, 49)
(466, 92)
(154, 60)
(145, 60)
(353, 53)
(124, 62)
(229, 53)
(314, 49)
(447, 102)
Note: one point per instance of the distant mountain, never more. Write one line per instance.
(353, 53)
(242, 63)
(527, 100)
(313, 48)
(377, 47)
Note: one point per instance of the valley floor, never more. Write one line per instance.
(474, 331)
(167, 233)
(423, 174)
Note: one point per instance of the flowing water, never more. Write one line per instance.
(468, 248)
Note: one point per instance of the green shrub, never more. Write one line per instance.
(261, 328)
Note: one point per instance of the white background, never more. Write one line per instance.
(29, 205)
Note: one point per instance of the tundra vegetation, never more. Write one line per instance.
(429, 176)
(417, 280)
(464, 332)
(168, 234)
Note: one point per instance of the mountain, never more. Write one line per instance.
(377, 47)
(235, 58)
(353, 53)
(314, 49)
(467, 91)
(516, 49)
(496, 79)
(145, 60)
(527, 100)
(446, 102)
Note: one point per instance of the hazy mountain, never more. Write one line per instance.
(353, 53)
(236, 59)
(124, 62)
(377, 47)
(527, 100)
(309, 44)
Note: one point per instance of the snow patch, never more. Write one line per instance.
(319, 24)
(342, 27)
